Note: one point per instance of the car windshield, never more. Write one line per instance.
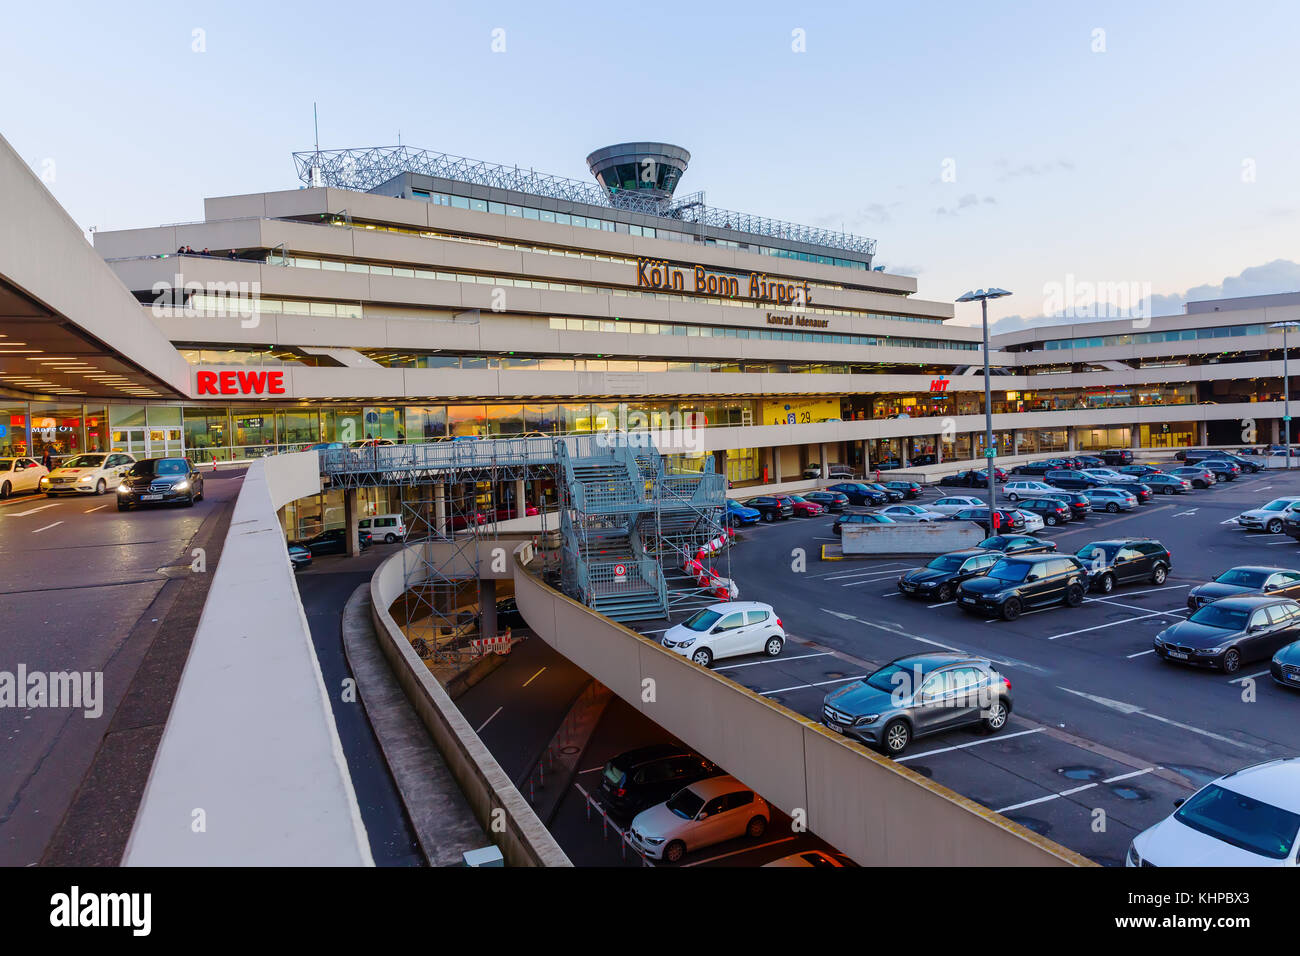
(997, 542)
(890, 677)
(1276, 505)
(1213, 615)
(796, 498)
(945, 562)
(685, 803)
(1013, 571)
(1088, 551)
(702, 620)
(85, 461)
(159, 466)
(1242, 821)
(1243, 577)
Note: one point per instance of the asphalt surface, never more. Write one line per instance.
(1104, 736)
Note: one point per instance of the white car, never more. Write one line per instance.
(951, 504)
(1250, 817)
(20, 474)
(727, 630)
(814, 858)
(1269, 517)
(388, 528)
(1105, 474)
(1032, 521)
(90, 474)
(1020, 488)
(910, 513)
(706, 812)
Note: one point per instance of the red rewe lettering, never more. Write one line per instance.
(275, 383)
(227, 380)
(252, 383)
(206, 383)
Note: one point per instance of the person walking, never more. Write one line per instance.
(47, 459)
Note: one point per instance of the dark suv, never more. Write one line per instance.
(859, 494)
(1024, 581)
(1070, 480)
(1117, 456)
(1124, 561)
(1007, 520)
(939, 578)
(771, 507)
(1080, 504)
(909, 489)
(640, 778)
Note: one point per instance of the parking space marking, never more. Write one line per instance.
(838, 680)
(748, 849)
(1074, 790)
(973, 743)
(1182, 514)
(899, 632)
(489, 720)
(774, 660)
(1141, 654)
(1098, 627)
(47, 527)
(875, 569)
(31, 511)
(871, 580)
(931, 607)
(1238, 680)
(845, 575)
(1125, 708)
(89, 510)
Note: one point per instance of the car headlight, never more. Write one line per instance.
(85, 479)
(1134, 858)
(181, 486)
(44, 481)
(1210, 651)
(654, 841)
(688, 642)
(866, 719)
(927, 584)
(124, 489)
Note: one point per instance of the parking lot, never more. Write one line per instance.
(1104, 736)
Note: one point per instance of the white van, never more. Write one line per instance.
(386, 528)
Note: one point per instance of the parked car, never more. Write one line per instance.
(954, 503)
(1249, 817)
(802, 507)
(640, 778)
(1088, 461)
(1016, 544)
(506, 512)
(832, 471)
(908, 489)
(1245, 580)
(326, 446)
(727, 630)
(1051, 510)
(91, 474)
(1022, 581)
(1199, 477)
(859, 517)
(333, 541)
(1285, 666)
(922, 461)
(939, 579)
(159, 481)
(1117, 456)
(700, 814)
(917, 695)
(911, 513)
(1124, 561)
(508, 614)
(1007, 520)
(388, 527)
(299, 557)
(735, 513)
(819, 859)
(1104, 475)
(1223, 469)
(19, 475)
(1231, 632)
(1139, 471)
(1018, 488)
(1166, 484)
(1033, 469)
(1079, 504)
(1070, 479)
(1032, 521)
(859, 494)
(1140, 490)
(1269, 517)
(771, 507)
(830, 500)
(891, 494)
(1247, 465)
(1111, 499)
(965, 479)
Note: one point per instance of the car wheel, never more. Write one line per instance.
(674, 851)
(101, 487)
(1112, 507)
(1167, 490)
(896, 737)
(773, 646)
(703, 657)
(1159, 575)
(996, 718)
(1050, 520)
(1010, 609)
(946, 592)
(767, 516)
(1275, 526)
(4, 490)
(1231, 661)
(1106, 583)
(1073, 595)
(1013, 497)
(389, 538)
(756, 828)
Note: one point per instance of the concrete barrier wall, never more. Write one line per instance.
(250, 747)
(874, 809)
(930, 537)
(292, 476)
(497, 804)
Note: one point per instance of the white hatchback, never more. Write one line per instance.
(1032, 521)
(911, 513)
(727, 630)
(20, 474)
(90, 474)
(1015, 490)
(1250, 817)
(701, 814)
(951, 504)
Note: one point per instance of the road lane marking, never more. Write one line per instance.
(748, 849)
(899, 632)
(973, 743)
(1181, 514)
(89, 510)
(782, 690)
(774, 660)
(489, 720)
(47, 527)
(1098, 627)
(1238, 680)
(931, 607)
(1141, 653)
(31, 511)
(867, 581)
(1125, 708)
(533, 678)
(845, 575)
(1074, 790)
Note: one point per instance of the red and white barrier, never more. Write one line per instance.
(491, 645)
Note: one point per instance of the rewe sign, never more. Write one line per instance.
(239, 383)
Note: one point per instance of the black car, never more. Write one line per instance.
(771, 507)
(1079, 503)
(830, 500)
(1139, 472)
(1125, 561)
(1223, 469)
(1285, 666)
(1070, 479)
(299, 557)
(1007, 520)
(921, 461)
(1117, 456)
(1244, 580)
(1138, 489)
(908, 489)
(1016, 544)
(1166, 484)
(641, 778)
(1231, 632)
(965, 479)
(1088, 461)
(892, 495)
(1052, 510)
(1246, 465)
(334, 541)
(1033, 469)
(160, 481)
(860, 494)
(859, 517)
(939, 578)
(508, 614)
(1022, 581)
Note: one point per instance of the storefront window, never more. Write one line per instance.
(385, 422)
(542, 418)
(205, 434)
(298, 427)
(505, 419)
(466, 420)
(13, 430)
(253, 431)
(57, 428)
(97, 438)
(426, 422)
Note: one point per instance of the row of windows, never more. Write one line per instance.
(589, 222)
(1145, 338)
(561, 364)
(771, 335)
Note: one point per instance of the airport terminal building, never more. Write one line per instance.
(412, 296)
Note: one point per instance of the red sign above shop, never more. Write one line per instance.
(240, 383)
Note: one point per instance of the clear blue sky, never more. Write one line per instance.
(1117, 166)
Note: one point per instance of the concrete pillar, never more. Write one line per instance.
(1015, 441)
(350, 518)
(776, 465)
(1135, 433)
(521, 499)
(440, 509)
(938, 449)
(1202, 433)
(1277, 432)
(826, 462)
(1069, 439)
(487, 606)
(866, 457)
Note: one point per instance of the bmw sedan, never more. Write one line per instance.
(160, 481)
(1231, 632)
(1244, 580)
(939, 579)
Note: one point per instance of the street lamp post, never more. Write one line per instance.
(983, 295)
(1286, 389)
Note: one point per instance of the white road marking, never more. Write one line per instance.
(1238, 680)
(973, 743)
(1074, 790)
(845, 575)
(533, 678)
(1182, 513)
(842, 572)
(931, 607)
(89, 510)
(1292, 543)
(838, 680)
(748, 849)
(489, 720)
(31, 511)
(1098, 627)
(890, 630)
(774, 660)
(1124, 708)
(868, 580)
(890, 594)
(1141, 654)
(47, 527)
